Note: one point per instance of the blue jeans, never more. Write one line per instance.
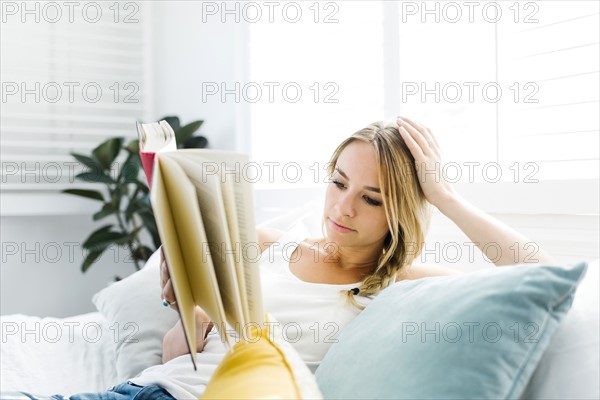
(124, 391)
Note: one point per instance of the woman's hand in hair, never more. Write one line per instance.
(428, 160)
(479, 227)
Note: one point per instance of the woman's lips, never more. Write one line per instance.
(338, 227)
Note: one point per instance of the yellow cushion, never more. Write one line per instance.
(254, 369)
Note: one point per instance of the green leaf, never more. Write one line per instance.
(90, 259)
(88, 162)
(117, 195)
(144, 198)
(90, 194)
(106, 240)
(138, 205)
(107, 152)
(102, 238)
(143, 187)
(149, 223)
(99, 231)
(131, 237)
(148, 220)
(131, 169)
(134, 206)
(195, 142)
(95, 177)
(185, 132)
(173, 121)
(107, 210)
(133, 146)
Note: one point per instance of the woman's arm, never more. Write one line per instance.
(505, 245)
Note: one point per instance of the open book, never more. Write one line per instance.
(204, 210)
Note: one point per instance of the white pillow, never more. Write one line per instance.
(135, 313)
(570, 366)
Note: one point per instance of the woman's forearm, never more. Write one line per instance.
(500, 243)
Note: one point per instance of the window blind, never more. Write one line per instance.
(543, 57)
(71, 78)
(555, 58)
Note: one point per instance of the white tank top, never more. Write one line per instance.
(310, 315)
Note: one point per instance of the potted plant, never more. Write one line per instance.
(125, 195)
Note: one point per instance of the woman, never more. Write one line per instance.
(375, 218)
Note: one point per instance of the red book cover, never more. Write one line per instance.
(148, 164)
(154, 138)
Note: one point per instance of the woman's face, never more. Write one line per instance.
(354, 213)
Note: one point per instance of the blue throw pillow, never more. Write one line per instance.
(471, 336)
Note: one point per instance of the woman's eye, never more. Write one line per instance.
(371, 201)
(339, 184)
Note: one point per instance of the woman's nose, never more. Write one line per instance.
(345, 205)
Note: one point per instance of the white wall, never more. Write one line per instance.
(189, 53)
(41, 259)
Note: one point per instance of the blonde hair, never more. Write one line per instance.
(406, 210)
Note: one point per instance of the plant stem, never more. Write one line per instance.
(124, 230)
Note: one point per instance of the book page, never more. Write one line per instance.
(228, 197)
(154, 138)
(218, 244)
(181, 230)
(234, 234)
(230, 167)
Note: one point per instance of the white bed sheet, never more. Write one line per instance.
(46, 356)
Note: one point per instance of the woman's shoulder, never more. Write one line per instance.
(268, 236)
(298, 234)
